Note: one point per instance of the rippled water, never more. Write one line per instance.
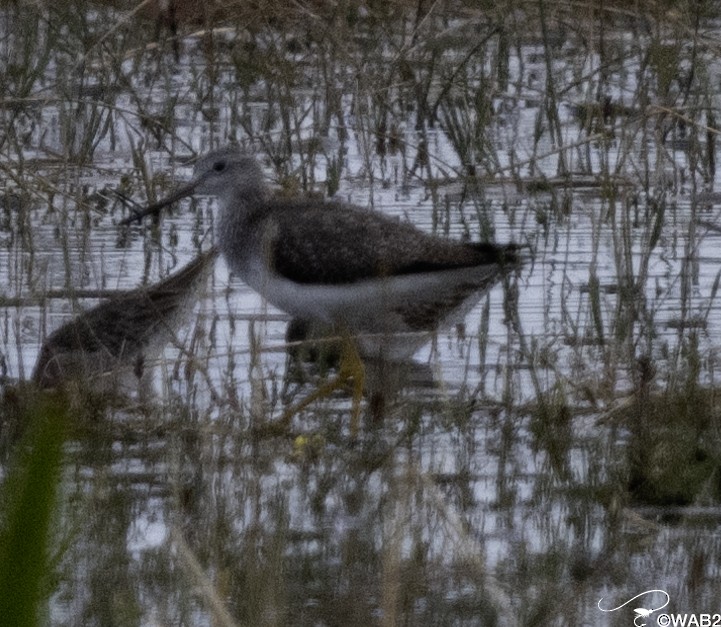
(497, 488)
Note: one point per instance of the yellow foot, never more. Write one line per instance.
(351, 370)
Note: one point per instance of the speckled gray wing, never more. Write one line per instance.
(119, 329)
(115, 326)
(104, 338)
(336, 244)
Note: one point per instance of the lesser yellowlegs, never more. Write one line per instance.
(110, 347)
(381, 281)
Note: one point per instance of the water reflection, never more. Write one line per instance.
(567, 450)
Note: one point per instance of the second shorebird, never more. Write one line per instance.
(111, 347)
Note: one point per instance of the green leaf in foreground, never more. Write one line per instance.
(28, 496)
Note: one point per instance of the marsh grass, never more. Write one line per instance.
(572, 430)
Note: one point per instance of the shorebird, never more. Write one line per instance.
(110, 348)
(382, 282)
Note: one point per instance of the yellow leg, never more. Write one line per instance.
(351, 369)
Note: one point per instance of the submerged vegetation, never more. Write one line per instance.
(569, 447)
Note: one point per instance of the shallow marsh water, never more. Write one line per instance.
(567, 448)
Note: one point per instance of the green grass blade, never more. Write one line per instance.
(28, 495)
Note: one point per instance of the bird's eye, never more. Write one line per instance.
(219, 166)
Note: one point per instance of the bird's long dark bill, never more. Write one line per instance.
(156, 207)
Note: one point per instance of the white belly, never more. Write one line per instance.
(372, 310)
